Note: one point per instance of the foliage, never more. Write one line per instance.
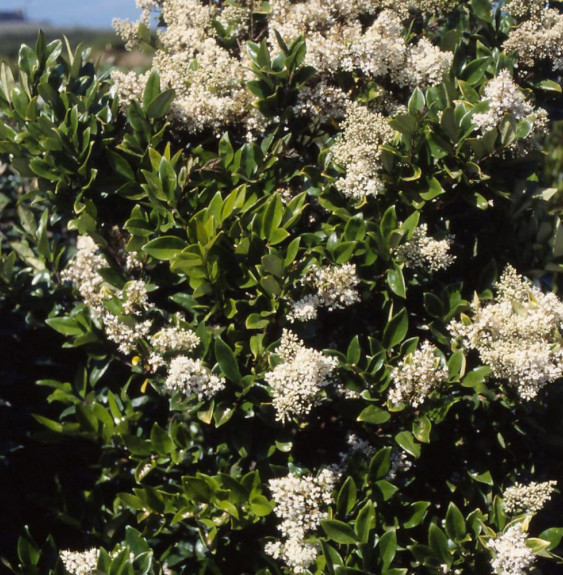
(394, 442)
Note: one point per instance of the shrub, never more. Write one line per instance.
(306, 272)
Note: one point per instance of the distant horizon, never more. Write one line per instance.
(68, 13)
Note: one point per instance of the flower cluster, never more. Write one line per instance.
(529, 498)
(424, 252)
(417, 375)
(358, 150)
(209, 77)
(511, 555)
(296, 382)
(84, 272)
(135, 297)
(517, 335)
(299, 503)
(209, 82)
(503, 96)
(80, 562)
(190, 376)
(335, 288)
(337, 41)
(539, 36)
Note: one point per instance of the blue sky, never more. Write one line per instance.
(89, 13)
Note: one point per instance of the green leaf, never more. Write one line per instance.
(396, 281)
(28, 554)
(417, 511)
(256, 321)
(549, 86)
(339, 531)
(272, 217)
(485, 477)
(121, 166)
(476, 376)
(406, 440)
(474, 72)
(161, 441)
(165, 247)
(65, 325)
(260, 506)
(421, 428)
(152, 89)
(455, 523)
(346, 497)
(396, 329)
(161, 104)
(354, 351)
(483, 9)
(388, 547)
(553, 535)
(456, 364)
(439, 544)
(374, 415)
(386, 488)
(168, 178)
(380, 463)
(227, 361)
(416, 101)
(365, 522)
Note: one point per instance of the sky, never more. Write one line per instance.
(88, 13)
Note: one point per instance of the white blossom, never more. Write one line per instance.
(417, 375)
(503, 96)
(80, 562)
(528, 498)
(296, 382)
(335, 288)
(190, 376)
(135, 297)
(358, 149)
(424, 252)
(511, 555)
(517, 335)
(299, 505)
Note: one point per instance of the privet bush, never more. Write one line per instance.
(305, 274)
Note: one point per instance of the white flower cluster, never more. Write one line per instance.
(174, 339)
(136, 298)
(209, 82)
(299, 503)
(539, 36)
(518, 335)
(503, 96)
(125, 335)
(190, 376)
(424, 252)
(83, 272)
(80, 562)
(416, 376)
(511, 555)
(337, 41)
(209, 79)
(358, 149)
(529, 498)
(335, 288)
(426, 64)
(296, 381)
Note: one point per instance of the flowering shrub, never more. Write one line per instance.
(304, 273)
